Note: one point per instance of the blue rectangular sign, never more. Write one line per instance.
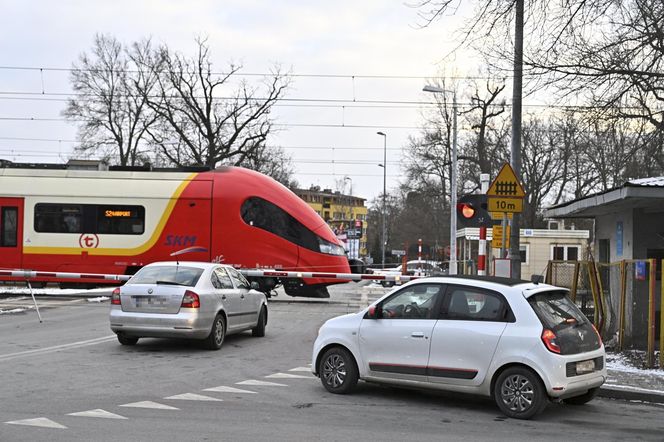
(619, 238)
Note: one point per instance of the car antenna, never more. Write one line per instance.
(188, 250)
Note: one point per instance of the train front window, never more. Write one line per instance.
(89, 218)
(265, 215)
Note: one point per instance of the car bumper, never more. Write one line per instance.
(188, 323)
(563, 382)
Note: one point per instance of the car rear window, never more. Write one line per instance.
(177, 275)
(559, 314)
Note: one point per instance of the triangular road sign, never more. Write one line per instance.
(506, 184)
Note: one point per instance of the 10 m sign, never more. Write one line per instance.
(510, 205)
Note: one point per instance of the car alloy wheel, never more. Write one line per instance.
(334, 371)
(215, 339)
(519, 393)
(338, 371)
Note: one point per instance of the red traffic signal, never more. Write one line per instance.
(472, 211)
(465, 210)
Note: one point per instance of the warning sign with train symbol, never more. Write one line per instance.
(506, 193)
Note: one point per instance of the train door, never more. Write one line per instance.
(11, 232)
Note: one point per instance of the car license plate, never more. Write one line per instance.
(142, 301)
(585, 366)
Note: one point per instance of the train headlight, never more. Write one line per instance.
(330, 249)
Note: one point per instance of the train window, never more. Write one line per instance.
(120, 220)
(9, 227)
(265, 215)
(89, 218)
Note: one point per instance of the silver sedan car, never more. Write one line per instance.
(196, 300)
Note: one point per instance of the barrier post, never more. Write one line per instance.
(34, 300)
(481, 256)
(661, 319)
(575, 281)
(623, 296)
(650, 357)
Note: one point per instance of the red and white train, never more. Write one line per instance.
(117, 221)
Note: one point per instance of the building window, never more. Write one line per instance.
(524, 250)
(565, 253)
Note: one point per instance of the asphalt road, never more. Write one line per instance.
(68, 379)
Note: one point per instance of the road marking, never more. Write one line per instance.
(288, 376)
(98, 413)
(149, 404)
(40, 351)
(301, 369)
(224, 389)
(38, 422)
(193, 397)
(259, 383)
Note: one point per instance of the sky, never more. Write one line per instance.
(359, 67)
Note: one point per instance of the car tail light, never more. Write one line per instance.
(115, 297)
(549, 339)
(598, 335)
(190, 300)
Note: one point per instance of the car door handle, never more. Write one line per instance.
(417, 334)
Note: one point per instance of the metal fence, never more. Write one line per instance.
(620, 298)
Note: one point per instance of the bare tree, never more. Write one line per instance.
(198, 112)
(113, 117)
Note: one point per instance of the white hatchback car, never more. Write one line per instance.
(194, 300)
(518, 342)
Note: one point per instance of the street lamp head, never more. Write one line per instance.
(381, 133)
(435, 89)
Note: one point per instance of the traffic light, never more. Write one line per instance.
(472, 211)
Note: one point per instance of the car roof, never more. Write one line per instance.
(490, 282)
(199, 264)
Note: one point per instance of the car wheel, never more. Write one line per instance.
(519, 393)
(259, 330)
(582, 398)
(127, 340)
(216, 337)
(338, 371)
(387, 284)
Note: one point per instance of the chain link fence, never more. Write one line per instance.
(620, 298)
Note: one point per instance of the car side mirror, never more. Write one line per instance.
(374, 312)
(255, 285)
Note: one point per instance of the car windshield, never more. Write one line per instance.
(175, 275)
(556, 310)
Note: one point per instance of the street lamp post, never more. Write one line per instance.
(453, 178)
(382, 248)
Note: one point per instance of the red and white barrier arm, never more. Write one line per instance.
(346, 276)
(267, 273)
(34, 274)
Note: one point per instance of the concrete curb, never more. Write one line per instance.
(631, 394)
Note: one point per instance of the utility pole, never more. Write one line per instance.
(515, 158)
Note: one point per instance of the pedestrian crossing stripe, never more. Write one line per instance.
(97, 413)
(288, 376)
(149, 404)
(38, 422)
(224, 389)
(260, 383)
(301, 369)
(194, 397)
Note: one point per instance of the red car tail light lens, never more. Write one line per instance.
(599, 337)
(190, 300)
(549, 339)
(115, 297)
